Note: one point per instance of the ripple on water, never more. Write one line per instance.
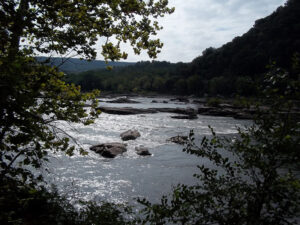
(129, 175)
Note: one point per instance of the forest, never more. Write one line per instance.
(75, 65)
(234, 68)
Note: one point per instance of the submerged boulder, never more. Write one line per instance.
(142, 151)
(228, 111)
(183, 111)
(130, 135)
(180, 99)
(135, 111)
(181, 140)
(187, 117)
(109, 150)
(125, 110)
(123, 100)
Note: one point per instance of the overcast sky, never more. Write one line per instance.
(198, 24)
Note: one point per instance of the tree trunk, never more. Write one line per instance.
(17, 29)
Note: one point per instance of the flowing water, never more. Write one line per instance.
(129, 176)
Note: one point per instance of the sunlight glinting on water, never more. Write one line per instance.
(129, 175)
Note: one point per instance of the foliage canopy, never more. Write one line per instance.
(33, 95)
(75, 26)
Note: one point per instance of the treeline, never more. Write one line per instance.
(234, 68)
(145, 76)
(75, 65)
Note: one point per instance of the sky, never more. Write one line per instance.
(198, 24)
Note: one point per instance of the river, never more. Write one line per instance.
(129, 176)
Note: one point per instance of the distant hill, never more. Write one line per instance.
(235, 68)
(273, 38)
(74, 65)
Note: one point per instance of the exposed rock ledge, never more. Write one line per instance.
(142, 151)
(130, 135)
(186, 117)
(123, 100)
(125, 110)
(181, 140)
(134, 111)
(109, 150)
(227, 112)
(189, 113)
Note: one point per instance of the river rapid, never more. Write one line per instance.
(129, 176)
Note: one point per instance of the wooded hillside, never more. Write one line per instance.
(234, 68)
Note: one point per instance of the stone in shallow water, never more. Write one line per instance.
(180, 99)
(109, 150)
(188, 117)
(142, 151)
(130, 135)
(125, 110)
(178, 139)
(122, 100)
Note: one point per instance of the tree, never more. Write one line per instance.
(30, 91)
(245, 86)
(158, 83)
(275, 37)
(253, 179)
(221, 85)
(33, 95)
(180, 86)
(76, 25)
(195, 85)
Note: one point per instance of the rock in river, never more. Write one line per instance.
(123, 100)
(184, 111)
(109, 150)
(178, 139)
(130, 135)
(125, 110)
(180, 99)
(187, 117)
(142, 151)
(135, 111)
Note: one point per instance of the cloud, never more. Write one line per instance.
(198, 24)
